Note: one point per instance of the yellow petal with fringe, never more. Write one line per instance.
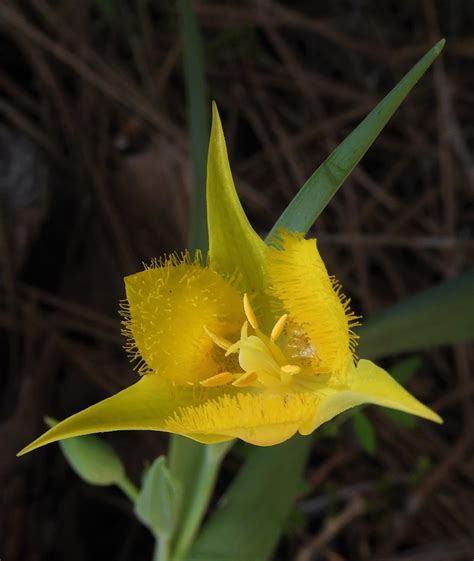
(169, 308)
(260, 418)
(312, 299)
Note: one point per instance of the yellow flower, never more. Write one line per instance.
(256, 343)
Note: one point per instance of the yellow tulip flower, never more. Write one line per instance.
(254, 343)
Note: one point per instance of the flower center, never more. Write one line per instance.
(262, 360)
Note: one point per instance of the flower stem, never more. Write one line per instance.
(128, 488)
(161, 551)
(199, 489)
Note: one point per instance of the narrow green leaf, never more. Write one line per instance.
(198, 116)
(157, 505)
(316, 193)
(441, 315)
(246, 525)
(365, 432)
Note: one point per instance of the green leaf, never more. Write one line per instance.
(157, 504)
(246, 524)
(365, 432)
(400, 418)
(441, 315)
(198, 117)
(92, 458)
(316, 193)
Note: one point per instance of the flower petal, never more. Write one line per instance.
(312, 298)
(234, 246)
(169, 308)
(369, 384)
(144, 406)
(259, 418)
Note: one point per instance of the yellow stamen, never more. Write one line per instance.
(217, 380)
(218, 340)
(249, 312)
(278, 327)
(247, 379)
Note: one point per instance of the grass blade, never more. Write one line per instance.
(440, 315)
(316, 193)
(198, 117)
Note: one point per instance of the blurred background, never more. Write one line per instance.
(95, 178)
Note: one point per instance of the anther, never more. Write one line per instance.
(249, 312)
(247, 379)
(278, 327)
(217, 380)
(218, 340)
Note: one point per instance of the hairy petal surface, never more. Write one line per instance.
(369, 384)
(168, 307)
(260, 418)
(299, 279)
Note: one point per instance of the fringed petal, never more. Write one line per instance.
(314, 303)
(259, 418)
(169, 307)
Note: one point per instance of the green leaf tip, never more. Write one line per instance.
(323, 184)
(439, 46)
(50, 421)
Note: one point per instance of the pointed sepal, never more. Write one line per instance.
(234, 246)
